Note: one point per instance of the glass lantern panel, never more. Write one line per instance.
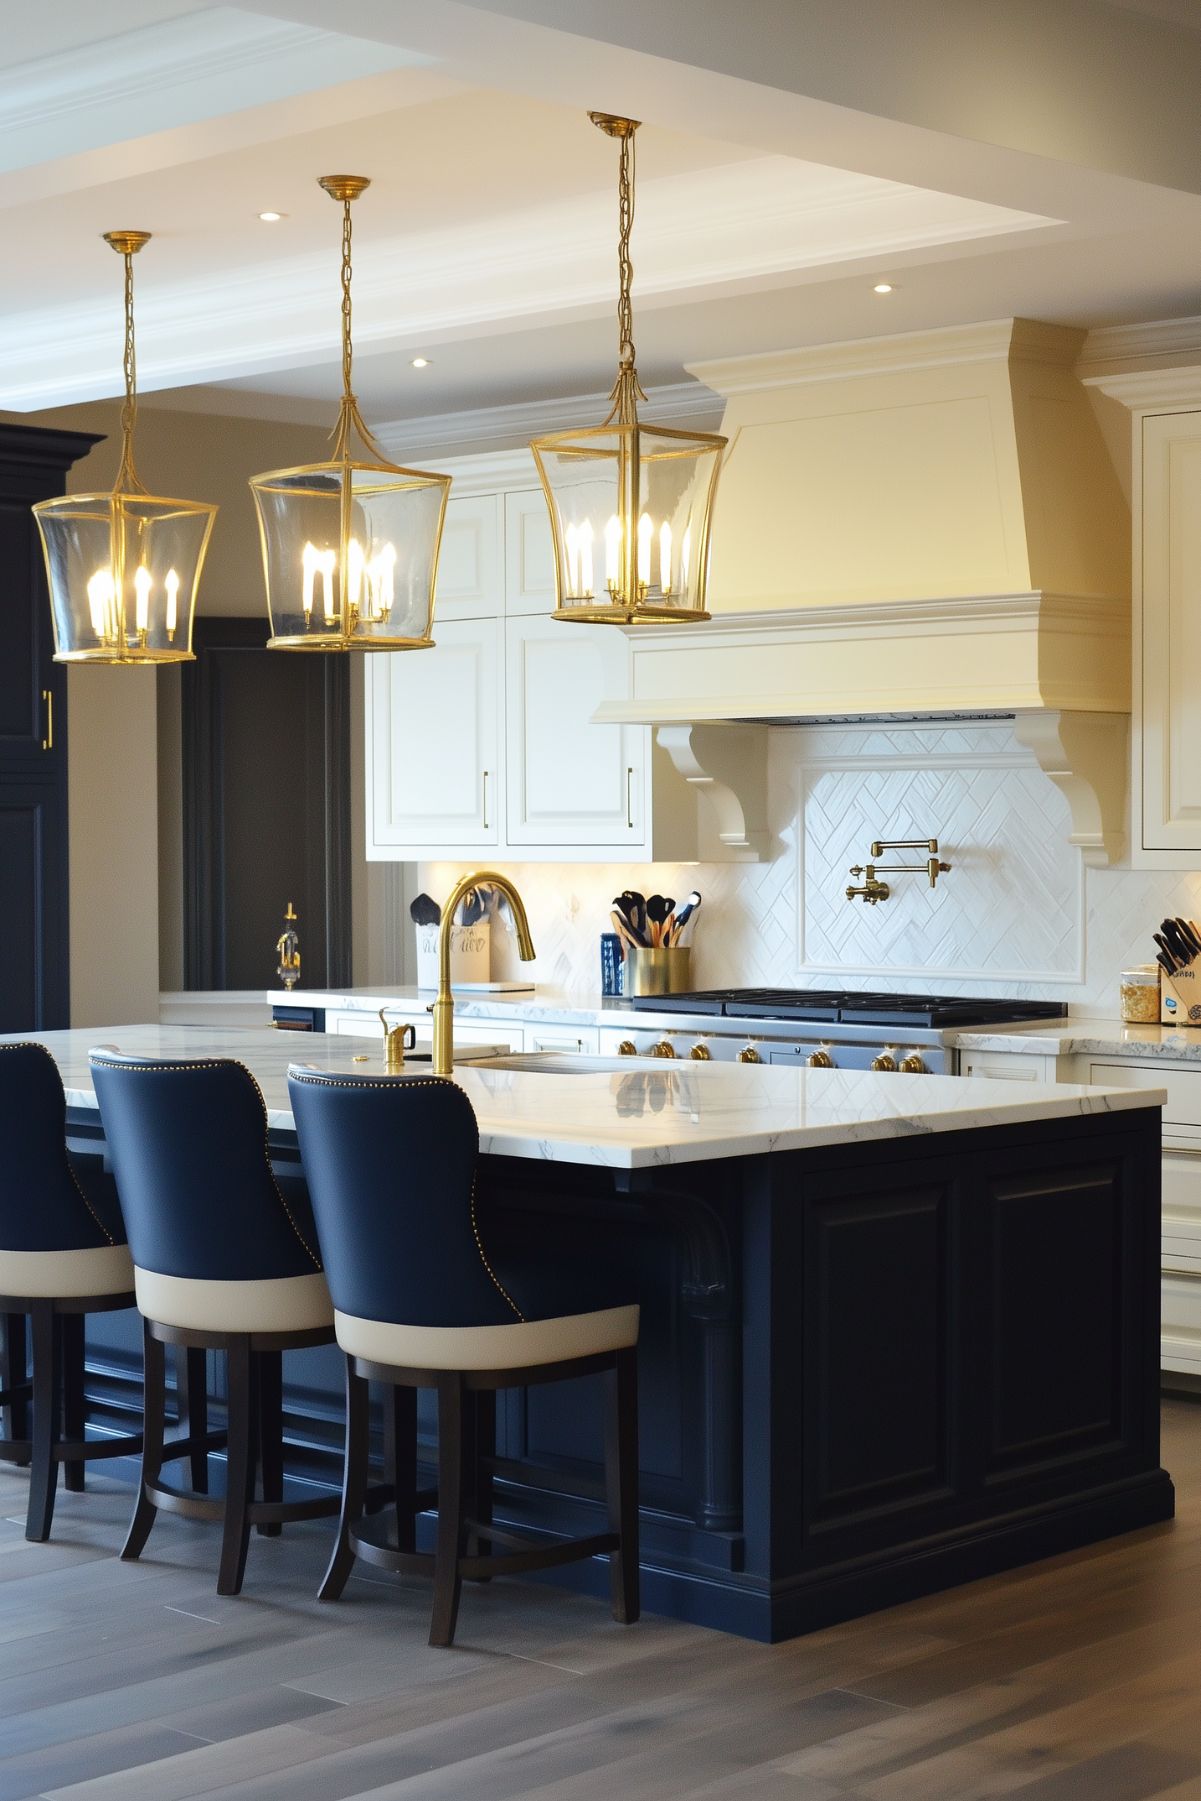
(382, 588)
(392, 554)
(300, 521)
(588, 485)
(677, 480)
(123, 572)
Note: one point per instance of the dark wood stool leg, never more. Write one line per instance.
(400, 1456)
(621, 1483)
(271, 1433)
(354, 1482)
(14, 1423)
(47, 1399)
(448, 1580)
(192, 1397)
(240, 1467)
(71, 1327)
(482, 1445)
(154, 1410)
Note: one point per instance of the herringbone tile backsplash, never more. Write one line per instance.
(1018, 914)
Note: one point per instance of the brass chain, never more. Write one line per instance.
(625, 266)
(127, 476)
(346, 277)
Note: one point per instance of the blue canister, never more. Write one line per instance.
(611, 963)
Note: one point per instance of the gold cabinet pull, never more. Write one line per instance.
(629, 799)
(48, 740)
(485, 800)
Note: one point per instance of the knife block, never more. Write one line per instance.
(1180, 996)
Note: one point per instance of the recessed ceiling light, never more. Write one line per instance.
(420, 362)
(272, 218)
(884, 287)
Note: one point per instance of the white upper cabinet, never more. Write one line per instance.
(569, 782)
(529, 554)
(433, 744)
(487, 744)
(1167, 634)
(471, 559)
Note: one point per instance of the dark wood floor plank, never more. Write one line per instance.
(1078, 1679)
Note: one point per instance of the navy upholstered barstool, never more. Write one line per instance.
(62, 1255)
(222, 1260)
(391, 1168)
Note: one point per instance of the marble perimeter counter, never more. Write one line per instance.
(636, 1117)
(1072, 1036)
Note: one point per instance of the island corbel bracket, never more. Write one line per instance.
(1085, 755)
(726, 765)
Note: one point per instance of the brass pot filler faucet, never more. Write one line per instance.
(873, 889)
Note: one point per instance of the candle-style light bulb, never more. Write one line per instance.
(101, 592)
(354, 571)
(326, 561)
(171, 584)
(141, 593)
(665, 557)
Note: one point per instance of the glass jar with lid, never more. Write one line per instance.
(1139, 992)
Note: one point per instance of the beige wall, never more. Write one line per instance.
(123, 724)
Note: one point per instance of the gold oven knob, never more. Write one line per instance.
(662, 1049)
(627, 1048)
(748, 1054)
(701, 1052)
(884, 1062)
(912, 1065)
(821, 1060)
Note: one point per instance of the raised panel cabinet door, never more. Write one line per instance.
(529, 554)
(433, 743)
(1168, 643)
(569, 781)
(471, 573)
(34, 987)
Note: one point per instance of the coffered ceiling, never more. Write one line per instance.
(793, 152)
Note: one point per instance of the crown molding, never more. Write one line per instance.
(1173, 390)
(1119, 349)
(727, 228)
(197, 66)
(992, 340)
(506, 431)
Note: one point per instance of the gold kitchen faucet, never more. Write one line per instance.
(443, 1008)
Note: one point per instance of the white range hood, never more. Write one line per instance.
(927, 525)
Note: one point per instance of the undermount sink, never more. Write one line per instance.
(561, 1063)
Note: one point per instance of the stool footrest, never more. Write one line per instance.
(207, 1507)
(381, 1551)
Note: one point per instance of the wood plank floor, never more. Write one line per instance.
(1076, 1680)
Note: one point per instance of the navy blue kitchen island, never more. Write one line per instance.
(898, 1332)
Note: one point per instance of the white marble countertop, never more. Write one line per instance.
(635, 1119)
(1085, 1037)
(1048, 1038)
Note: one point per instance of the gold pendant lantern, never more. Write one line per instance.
(350, 547)
(630, 504)
(123, 568)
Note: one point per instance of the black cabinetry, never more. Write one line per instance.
(34, 989)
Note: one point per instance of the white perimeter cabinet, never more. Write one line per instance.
(1167, 715)
(486, 743)
(1180, 1256)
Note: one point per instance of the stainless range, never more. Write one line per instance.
(817, 1028)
